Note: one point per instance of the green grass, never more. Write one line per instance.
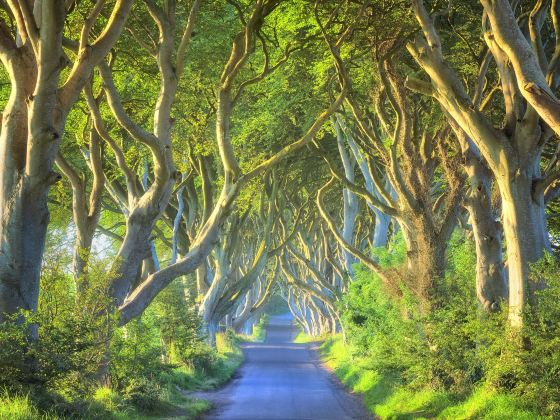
(303, 338)
(386, 396)
(108, 399)
(174, 401)
(19, 407)
(229, 358)
(487, 404)
(109, 404)
(403, 403)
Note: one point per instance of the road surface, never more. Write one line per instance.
(283, 380)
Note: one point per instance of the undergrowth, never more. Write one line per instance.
(155, 361)
(388, 396)
(163, 396)
(455, 362)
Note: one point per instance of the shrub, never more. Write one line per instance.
(457, 349)
(374, 324)
(136, 352)
(50, 360)
(60, 346)
(201, 358)
(178, 323)
(109, 399)
(142, 393)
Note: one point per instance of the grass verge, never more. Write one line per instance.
(303, 338)
(167, 396)
(387, 397)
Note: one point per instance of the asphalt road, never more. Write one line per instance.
(283, 380)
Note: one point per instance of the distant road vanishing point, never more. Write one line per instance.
(283, 380)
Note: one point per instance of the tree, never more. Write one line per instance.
(513, 153)
(33, 124)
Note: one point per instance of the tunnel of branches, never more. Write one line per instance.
(234, 153)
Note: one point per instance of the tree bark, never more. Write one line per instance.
(426, 262)
(16, 291)
(491, 284)
(350, 201)
(382, 220)
(526, 234)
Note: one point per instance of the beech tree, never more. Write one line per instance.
(426, 215)
(86, 211)
(33, 123)
(512, 151)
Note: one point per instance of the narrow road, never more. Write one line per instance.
(283, 380)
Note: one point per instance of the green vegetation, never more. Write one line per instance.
(470, 370)
(18, 407)
(303, 338)
(385, 394)
(164, 394)
(157, 360)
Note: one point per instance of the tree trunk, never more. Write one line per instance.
(248, 327)
(14, 289)
(202, 279)
(382, 221)
(526, 234)
(228, 321)
(350, 201)
(29, 140)
(491, 287)
(244, 312)
(82, 251)
(381, 229)
(425, 263)
(134, 249)
(211, 332)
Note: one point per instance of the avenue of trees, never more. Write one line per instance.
(388, 169)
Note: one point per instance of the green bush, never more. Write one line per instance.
(201, 358)
(440, 350)
(528, 361)
(14, 350)
(61, 345)
(142, 393)
(50, 360)
(449, 355)
(178, 323)
(374, 324)
(136, 352)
